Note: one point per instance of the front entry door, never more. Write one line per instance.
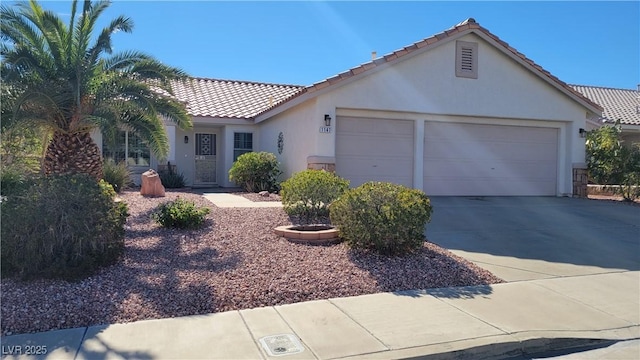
(205, 159)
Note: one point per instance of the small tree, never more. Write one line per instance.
(611, 162)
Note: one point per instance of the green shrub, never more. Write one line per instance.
(384, 217)
(308, 194)
(61, 227)
(118, 175)
(171, 179)
(180, 214)
(12, 180)
(611, 162)
(256, 171)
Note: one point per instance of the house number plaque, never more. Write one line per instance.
(325, 129)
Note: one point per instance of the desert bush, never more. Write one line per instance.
(117, 175)
(12, 179)
(384, 217)
(308, 194)
(64, 226)
(171, 179)
(181, 214)
(611, 162)
(256, 171)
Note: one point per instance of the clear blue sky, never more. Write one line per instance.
(590, 43)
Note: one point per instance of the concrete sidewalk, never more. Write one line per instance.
(498, 321)
(224, 200)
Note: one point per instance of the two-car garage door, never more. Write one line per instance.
(460, 159)
(481, 159)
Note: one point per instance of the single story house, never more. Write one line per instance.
(621, 105)
(459, 113)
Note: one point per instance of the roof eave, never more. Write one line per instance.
(466, 27)
(538, 70)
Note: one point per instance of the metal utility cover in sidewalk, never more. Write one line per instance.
(283, 344)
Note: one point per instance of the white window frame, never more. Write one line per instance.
(126, 152)
(241, 150)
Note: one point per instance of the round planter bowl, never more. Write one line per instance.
(318, 234)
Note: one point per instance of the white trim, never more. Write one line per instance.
(563, 176)
(629, 127)
(563, 158)
(418, 153)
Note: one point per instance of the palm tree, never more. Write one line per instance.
(66, 77)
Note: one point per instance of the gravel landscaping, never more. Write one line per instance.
(614, 198)
(235, 262)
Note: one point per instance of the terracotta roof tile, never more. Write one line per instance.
(246, 100)
(431, 40)
(358, 70)
(230, 99)
(618, 104)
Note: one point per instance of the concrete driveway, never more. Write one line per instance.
(525, 238)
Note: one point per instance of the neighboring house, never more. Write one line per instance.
(458, 113)
(619, 105)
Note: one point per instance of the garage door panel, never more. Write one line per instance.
(374, 145)
(394, 128)
(488, 187)
(505, 150)
(352, 125)
(476, 159)
(388, 166)
(460, 132)
(505, 169)
(374, 150)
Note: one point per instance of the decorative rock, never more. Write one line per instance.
(264, 193)
(151, 184)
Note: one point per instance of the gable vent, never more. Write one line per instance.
(467, 59)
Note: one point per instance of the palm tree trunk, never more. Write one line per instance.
(73, 153)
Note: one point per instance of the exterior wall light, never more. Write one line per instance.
(582, 132)
(186, 139)
(327, 120)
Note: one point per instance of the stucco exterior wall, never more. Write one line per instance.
(183, 154)
(425, 85)
(225, 157)
(300, 129)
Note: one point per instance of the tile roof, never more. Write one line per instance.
(246, 100)
(464, 26)
(618, 104)
(230, 99)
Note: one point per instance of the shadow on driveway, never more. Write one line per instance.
(559, 230)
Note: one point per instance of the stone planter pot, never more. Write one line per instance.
(316, 234)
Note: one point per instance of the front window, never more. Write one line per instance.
(242, 143)
(127, 147)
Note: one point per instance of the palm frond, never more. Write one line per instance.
(63, 75)
(124, 60)
(151, 131)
